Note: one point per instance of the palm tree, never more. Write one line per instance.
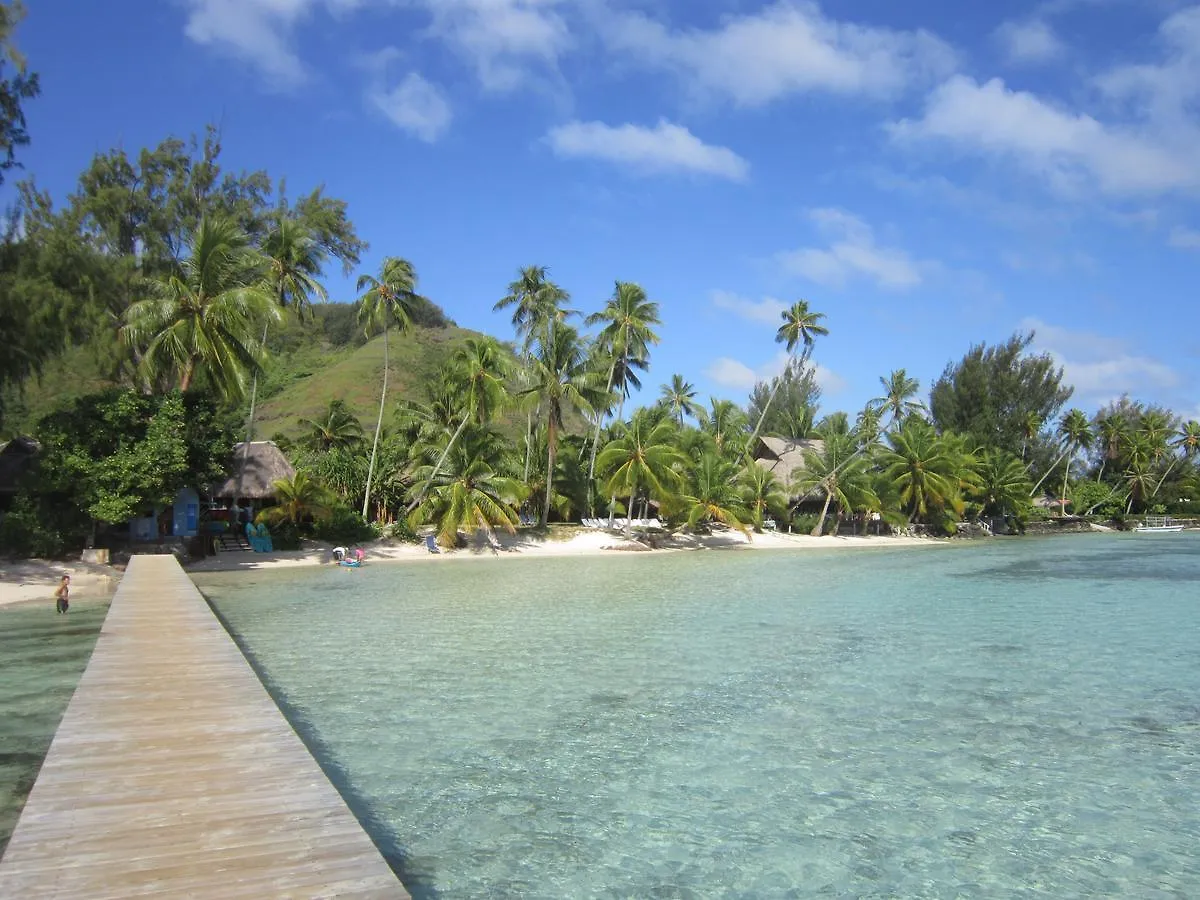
(867, 426)
(298, 499)
(1076, 433)
(800, 326)
(680, 398)
(1031, 427)
(561, 380)
(336, 429)
(643, 457)
(922, 470)
(713, 494)
(837, 466)
(628, 319)
(388, 299)
(205, 319)
(469, 493)
(1113, 432)
(898, 393)
(761, 493)
(1004, 485)
(723, 421)
(477, 373)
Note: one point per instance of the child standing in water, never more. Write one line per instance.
(62, 595)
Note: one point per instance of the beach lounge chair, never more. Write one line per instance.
(431, 544)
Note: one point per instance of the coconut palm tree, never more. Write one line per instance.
(837, 466)
(476, 376)
(469, 493)
(1004, 484)
(800, 326)
(680, 398)
(204, 320)
(1031, 427)
(1113, 433)
(628, 318)
(1076, 433)
(922, 470)
(560, 381)
(644, 457)
(761, 493)
(337, 428)
(898, 393)
(725, 421)
(297, 500)
(388, 300)
(712, 494)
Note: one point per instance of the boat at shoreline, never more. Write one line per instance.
(1159, 525)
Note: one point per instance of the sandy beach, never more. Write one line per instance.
(34, 580)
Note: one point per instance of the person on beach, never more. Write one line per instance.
(338, 553)
(358, 553)
(62, 595)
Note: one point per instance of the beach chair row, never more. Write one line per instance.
(620, 523)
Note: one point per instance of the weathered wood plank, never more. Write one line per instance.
(173, 773)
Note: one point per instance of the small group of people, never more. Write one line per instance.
(356, 553)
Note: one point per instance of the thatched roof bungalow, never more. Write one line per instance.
(784, 457)
(256, 468)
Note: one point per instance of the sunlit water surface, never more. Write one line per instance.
(995, 719)
(42, 655)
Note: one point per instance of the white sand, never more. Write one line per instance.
(35, 580)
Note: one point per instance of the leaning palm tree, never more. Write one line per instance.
(560, 381)
(205, 319)
(628, 318)
(388, 300)
(476, 375)
(837, 464)
(899, 391)
(644, 457)
(800, 326)
(680, 398)
(1076, 433)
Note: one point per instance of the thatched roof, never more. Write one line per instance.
(257, 470)
(15, 457)
(784, 457)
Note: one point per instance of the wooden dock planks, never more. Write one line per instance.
(174, 774)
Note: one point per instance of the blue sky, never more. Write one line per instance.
(929, 174)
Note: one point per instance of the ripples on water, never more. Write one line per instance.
(42, 655)
(984, 720)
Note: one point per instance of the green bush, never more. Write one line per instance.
(806, 522)
(402, 531)
(285, 536)
(344, 526)
(23, 533)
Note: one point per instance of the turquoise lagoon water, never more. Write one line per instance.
(42, 655)
(998, 719)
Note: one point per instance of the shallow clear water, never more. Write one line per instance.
(993, 719)
(42, 655)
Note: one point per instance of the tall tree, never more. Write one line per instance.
(991, 392)
(16, 88)
(644, 457)
(387, 301)
(1076, 433)
(205, 320)
(924, 472)
(787, 404)
(899, 391)
(628, 318)
(679, 396)
(800, 326)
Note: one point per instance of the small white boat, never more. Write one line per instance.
(1159, 525)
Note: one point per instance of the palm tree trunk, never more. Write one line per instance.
(612, 371)
(820, 526)
(437, 468)
(1062, 505)
(250, 418)
(528, 443)
(612, 501)
(551, 454)
(185, 380)
(1061, 456)
(763, 416)
(378, 425)
(629, 516)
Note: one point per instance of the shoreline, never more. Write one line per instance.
(31, 581)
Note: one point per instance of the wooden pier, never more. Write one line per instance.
(174, 774)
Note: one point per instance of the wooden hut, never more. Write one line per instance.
(256, 467)
(784, 457)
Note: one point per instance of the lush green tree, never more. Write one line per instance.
(838, 470)
(787, 405)
(628, 321)
(761, 493)
(712, 494)
(990, 394)
(800, 326)
(726, 422)
(1004, 485)
(560, 381)
(337, 428)
(386, 301)
(15, 88)
(204, 321)
(643, 458)
(924, 472)
(679, 396)
(298, 500)
(899, 391)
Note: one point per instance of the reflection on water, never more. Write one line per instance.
(42, 655)
(910, 723)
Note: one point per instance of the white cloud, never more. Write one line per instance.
(853, 253)
(1071, 150)
(664, 148)
(255, 31)
(1163, 92)
(1184, 238)
(788, 47)
(767, 311)
(732, 374)
(1100, 368)
(736, 375)
(502, 39)
(1029, 42)
(414, 105)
